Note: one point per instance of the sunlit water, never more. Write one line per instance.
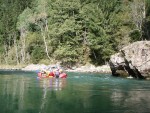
(22, 92)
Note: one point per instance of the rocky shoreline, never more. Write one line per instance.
(92, 69)
(86, 68)
(11, 67)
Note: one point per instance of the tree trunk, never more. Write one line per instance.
(6, 54)
(45, 43)
(23, 45)
(16, 49)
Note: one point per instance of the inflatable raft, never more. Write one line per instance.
(51, 74)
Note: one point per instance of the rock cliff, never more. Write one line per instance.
(133, 60)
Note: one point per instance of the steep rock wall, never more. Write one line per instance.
(133, 60)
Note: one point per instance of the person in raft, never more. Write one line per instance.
(62, 74)
(57, 73)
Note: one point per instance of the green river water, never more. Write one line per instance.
(22, 92)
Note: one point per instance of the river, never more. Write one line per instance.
(22, 92)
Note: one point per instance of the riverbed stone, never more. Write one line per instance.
(134, 60)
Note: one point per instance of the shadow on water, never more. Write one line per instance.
(22, 92)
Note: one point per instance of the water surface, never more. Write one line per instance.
(22, 92)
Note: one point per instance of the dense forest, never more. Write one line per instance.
(72, 32)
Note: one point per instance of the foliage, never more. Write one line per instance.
(135, 35)
(37, 54)
(67, 53)
(24, 18)
(70, 31)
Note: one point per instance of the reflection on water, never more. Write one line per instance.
(12, 93)
(52, 83)
(136, 99)
(22, 92)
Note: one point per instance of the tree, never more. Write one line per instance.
(100, 26)
(138, 14)
(9, 11)
(41, 20)
(146, 25)
(23, 25)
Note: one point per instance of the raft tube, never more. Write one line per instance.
(63, 75)
(42, 75)
(51, 74)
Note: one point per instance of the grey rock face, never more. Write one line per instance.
(133, 60)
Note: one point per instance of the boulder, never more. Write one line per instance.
(132, 60)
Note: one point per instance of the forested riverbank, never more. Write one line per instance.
(72, 32)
